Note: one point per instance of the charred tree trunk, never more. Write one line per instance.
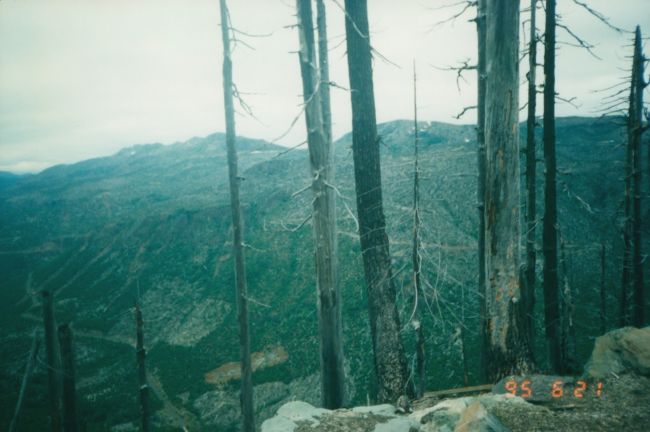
(508, 345)
(480, 193)
(324, 69)
(390, 361)
(549, 236)
(603, 303)
(323, 217)
(636, 130)
(415, 253)
(531, 175)
(53, 362)
(29, 367)
(567, 332)
(141, 353)
(69, 391)
(246, 397)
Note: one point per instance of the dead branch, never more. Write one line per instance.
(465, 109)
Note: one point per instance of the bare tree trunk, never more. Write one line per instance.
(508, 345)
(480, 193)
(324, 69)
(29, 367)
(531, 174)
(53, 361)
(568, 335)
(415, 253)
(636, 129)
(141, 353)
(246, 397)
(463, 341)
(603, 303)
(390, 361)
(69, 392)
(323, 218)
(549, 237)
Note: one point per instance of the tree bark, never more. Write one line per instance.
(324, 69)
(323, 217)
(480, 154)
(69, 392)
(141, 353)
(508, 345)
(53, 362)
(29, 367)
(390, 361)
(246, 397)
(415, 253)
(636, 130)
(549, 236)
(531, 175)
(603, 303)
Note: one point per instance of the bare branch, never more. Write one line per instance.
(465, 109)
(580, 42)
(602, 18)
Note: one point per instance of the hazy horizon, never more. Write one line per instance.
(84, 80)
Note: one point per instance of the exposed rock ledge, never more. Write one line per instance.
(619, 369)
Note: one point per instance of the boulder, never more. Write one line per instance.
(624, 350)
(477, 419)
(466, 414)
(300, 416)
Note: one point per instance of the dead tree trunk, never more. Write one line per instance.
(53, 362)
(68, 370)
(508, 345)
(415, 253)
(480, 193)
(603, 303)
(324, 69)
(636, 130)
(141, 353)
(549, 236)
(390, 361)
(567, 332)
(531, 175)
(246, 397)
(323, 218)
(29, 367)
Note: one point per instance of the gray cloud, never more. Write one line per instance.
(84, 79)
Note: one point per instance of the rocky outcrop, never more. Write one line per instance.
(624, 350)
(468, 414)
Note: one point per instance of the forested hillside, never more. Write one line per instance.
(152, 224)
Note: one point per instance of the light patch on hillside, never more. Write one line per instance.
(271, 356)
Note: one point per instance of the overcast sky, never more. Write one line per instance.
(81, 79)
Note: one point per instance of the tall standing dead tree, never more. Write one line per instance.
(53, 362)
(390, 361)
(323, 214)
(246, 397)
(635, 131)
(531, 173)
(68, 370)
(420, 375)
(508, 344)
(141, 353)
(549, 236)
(480, 193)
(29, 367)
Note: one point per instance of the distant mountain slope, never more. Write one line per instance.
(152, 223)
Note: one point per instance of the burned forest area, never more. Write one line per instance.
(334, 227)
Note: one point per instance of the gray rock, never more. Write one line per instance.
(475, 418)
(625, 350)
(300, 416)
